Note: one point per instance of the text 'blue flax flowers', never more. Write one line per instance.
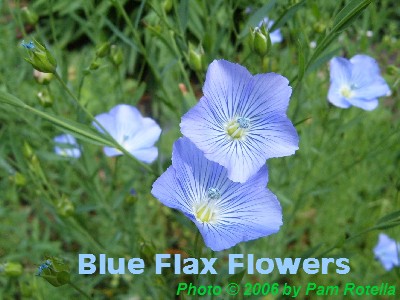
(388, 252)
(135, 134)
(225, 212)
(67, 146)
(241, 119)
(356, 82)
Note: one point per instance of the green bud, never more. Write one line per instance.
(40, 58)
(103, 50)
(94, 65)
(19, 179)
(12, 269)
(195, 58)
(261, 41)
(319, 27)
(42, 78)
(65, 207)
(29, 16)
(393, 70)
(27, 150)
(116, 55)
(54, 271)
(45, 99)
(167, 5)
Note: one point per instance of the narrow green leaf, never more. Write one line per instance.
(256, 17)
(77, 129)
(286, 15)
(348, 14)
(183, 14)
(389, 217)
(302, 60)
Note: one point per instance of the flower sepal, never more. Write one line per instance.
(40, 58)
(54, 271)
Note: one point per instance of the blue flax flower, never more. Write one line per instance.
(387, 251)
(356, 82)
(66, 145)
(225, 212)
(133, 132)
(241, 119)
(275, 36)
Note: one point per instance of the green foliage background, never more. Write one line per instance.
(344, 178)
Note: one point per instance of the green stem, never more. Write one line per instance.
(79, 290)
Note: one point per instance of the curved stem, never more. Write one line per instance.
(79, 290)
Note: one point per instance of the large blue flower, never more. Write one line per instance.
(225, 212)
(66, 145)
(241, 119)
(388, 252)
(133, 132)
(356, 82)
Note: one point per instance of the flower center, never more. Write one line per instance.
(237, 128)
(347, 91)
(206, 211)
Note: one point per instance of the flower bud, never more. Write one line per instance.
(103, 50)
(261, 41)
(40, 58)
(27, 150)
(94, 65)
(195, 58)
(54, 271)
(116, 55)
(393, 70)
(19, 179)
(167, 5)
(29, 16)
(12, 269)
(45, 99)
(42, 78)
(65, 207)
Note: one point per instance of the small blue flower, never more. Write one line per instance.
(225, 212)
(66, 145)
(356, 82)
(275, 36)
(133, 132)
(28, 46)
(388, 252)
(46, 265)
(241, 119)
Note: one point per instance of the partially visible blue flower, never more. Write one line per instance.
(133, 132)
(388, 252)
(356, 82)
(225, 212)
(241, 119)
(29, 45)
(275, 36)
(66, 145)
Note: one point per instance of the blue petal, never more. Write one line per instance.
(369, 105)
(336, 98)
(226, 86)
(147, 155)
(260, 99)
(364, 69)
(109, 151)
(268, 93)
(387, 251)
(340, 71)
(127, 121)
(67, 146)
(246, 211)
(108, 122)
(146, 137)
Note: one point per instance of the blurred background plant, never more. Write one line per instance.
(153, 55)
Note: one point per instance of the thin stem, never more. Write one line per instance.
(79, 290)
